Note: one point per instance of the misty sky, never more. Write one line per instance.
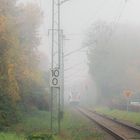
(76, 18)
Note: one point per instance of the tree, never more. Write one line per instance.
(113, 60)
(21, 79)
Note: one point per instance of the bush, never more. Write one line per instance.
(8, 112)
(40, 136)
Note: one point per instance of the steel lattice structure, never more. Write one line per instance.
(56, 68)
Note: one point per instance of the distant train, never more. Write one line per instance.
(74, 98)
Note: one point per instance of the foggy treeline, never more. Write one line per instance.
(113, 56)
(21, 80)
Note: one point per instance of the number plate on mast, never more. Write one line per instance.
(55, 78)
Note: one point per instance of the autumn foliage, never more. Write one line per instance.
(22, 85)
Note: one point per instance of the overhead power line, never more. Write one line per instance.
(118, 17)
(75, 51)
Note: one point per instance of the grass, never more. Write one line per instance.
(74, 127)
(11, 136)
(133, 117)
(36, 121)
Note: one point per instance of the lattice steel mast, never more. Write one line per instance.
(56, 67)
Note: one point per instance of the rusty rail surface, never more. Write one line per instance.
(118, 129)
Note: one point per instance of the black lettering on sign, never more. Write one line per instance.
(54, 81)
(56, 73)
(55, 77)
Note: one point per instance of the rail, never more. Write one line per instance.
(118, 129)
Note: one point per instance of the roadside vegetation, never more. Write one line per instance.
(133, 117)
(22, 82)
(23, 96)
(77, 127)
(113, 61)
(11, 136)
(74, 127)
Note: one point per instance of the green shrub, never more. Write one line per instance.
(10, 136)
(40, 137)
(8, 112)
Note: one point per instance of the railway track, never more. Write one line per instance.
(120, 131)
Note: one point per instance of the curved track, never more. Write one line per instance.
(117, 129)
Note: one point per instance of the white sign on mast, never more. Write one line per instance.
(55, 78)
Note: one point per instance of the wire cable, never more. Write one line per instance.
(117, 19)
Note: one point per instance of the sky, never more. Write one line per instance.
(77, 16)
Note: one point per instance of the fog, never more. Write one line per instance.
(63, 63)
(108, 31)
